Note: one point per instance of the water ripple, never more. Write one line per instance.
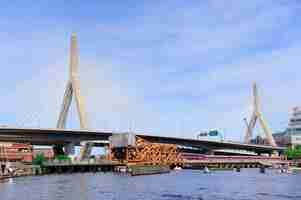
(184, 185)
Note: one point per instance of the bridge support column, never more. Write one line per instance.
(262, 169)
(58, 149)
(64, 149)
(107, 151)
(85, 151)
(69, 149)
(276, 153)
(209, 152)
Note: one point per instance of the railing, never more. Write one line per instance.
(231, 161)
(77, 162)
(191, 156)
(195, 158)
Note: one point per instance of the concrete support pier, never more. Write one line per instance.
(82, 166)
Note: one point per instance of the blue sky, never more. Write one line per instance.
(169, 68)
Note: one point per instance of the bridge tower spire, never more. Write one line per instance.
(73, 89)
(257, 115)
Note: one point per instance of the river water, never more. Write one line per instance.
(249, 184)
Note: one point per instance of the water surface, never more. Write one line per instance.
(186, 184)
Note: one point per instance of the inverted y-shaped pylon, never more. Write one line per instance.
(256, 115)
(73, 89)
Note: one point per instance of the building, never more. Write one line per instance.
(212, 135)
(15, 152)
(259, 140)
(294, 128)
(22, 153)
(46, 152)
(291, 137)
(281, 139)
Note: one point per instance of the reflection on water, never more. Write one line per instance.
(185, 184)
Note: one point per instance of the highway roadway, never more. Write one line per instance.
(37, 136)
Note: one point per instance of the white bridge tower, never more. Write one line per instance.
(257, 115)
(73, 89)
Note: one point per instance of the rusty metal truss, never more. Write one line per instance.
(145, 152)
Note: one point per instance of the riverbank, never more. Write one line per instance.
(7, 176)
(24, 170)
(296, 169)
(4, 177)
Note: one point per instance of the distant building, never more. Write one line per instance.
(46, 152)
(292, 135)
(281, 139)
(259, 140)
(212, 135)
(15, 152)
(294, 128)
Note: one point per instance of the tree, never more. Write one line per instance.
(62, 158)
(293, 153)
(39, 159)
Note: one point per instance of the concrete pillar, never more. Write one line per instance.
(262, 169)
(237, 168)
(107, 152)
(279, 153)
(275, 153)
(69, 149)
(58, 149)
(209, 152)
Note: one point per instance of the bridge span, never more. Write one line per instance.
(37, 136)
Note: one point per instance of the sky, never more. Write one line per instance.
(170, 68)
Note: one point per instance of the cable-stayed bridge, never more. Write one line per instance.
(40, 136)
(61, 137)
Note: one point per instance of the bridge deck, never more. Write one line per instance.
(63, 136)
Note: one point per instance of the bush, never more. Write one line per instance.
(62, 158)
(39, 159)
(293, 153)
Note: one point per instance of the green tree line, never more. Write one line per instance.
(39, 159)
(293, 153)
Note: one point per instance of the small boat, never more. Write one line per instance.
(206, 170)
(286, 170)
(281, 171)
(178, 168)
(289, 171)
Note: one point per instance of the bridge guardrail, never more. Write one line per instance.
(76, 162)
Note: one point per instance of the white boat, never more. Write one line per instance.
(206, 170)
(178, 168)
(285, 170)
